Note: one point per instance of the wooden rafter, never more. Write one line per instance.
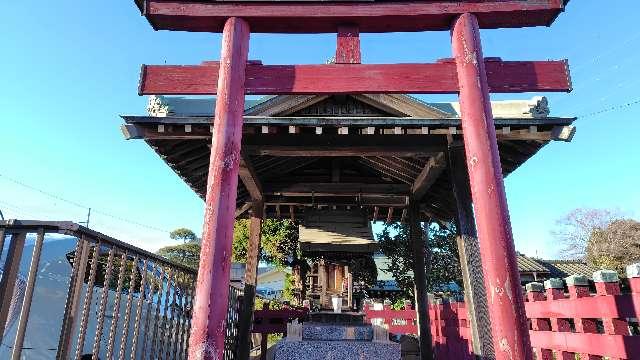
(285, 167)
(428, 176)
(334, 189)
(382, 166)
(250, 179)
(324, 17)
(438, 78)
(242, 209)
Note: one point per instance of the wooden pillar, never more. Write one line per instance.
(349, 287)
(303, 280)
(348, 45)
(420, 282)
(212, 288)
(323, 280)
(469, 253)
(245, 320)
(506, 304)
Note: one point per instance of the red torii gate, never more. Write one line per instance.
(468, 74)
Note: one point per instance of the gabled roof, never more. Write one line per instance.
(357, 151)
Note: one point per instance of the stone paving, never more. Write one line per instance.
(336, 342)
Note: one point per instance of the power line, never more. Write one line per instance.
(611, 108)
(54, 196)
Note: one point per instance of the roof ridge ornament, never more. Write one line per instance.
(158, 106)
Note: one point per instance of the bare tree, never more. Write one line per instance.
(575, 229)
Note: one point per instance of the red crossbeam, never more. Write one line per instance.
(326, 16)
(438, 78)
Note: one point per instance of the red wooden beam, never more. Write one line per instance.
(612, 346)
(438, 78)
(326, 16)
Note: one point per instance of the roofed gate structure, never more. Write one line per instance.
(336, 137)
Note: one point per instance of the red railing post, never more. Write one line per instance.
(607, 283)
(555, 291)
(502, 280)
(633, 274)
(535, 292)
(212, 291)
(578, 286)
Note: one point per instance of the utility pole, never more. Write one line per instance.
(86, 223)
(1, 215)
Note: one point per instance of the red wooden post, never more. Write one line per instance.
(264, 337)
(502, 280)
(348, 45)
(607, 284)
(535, 292)
(555, 291)
(578, 286)
(212, 291)
(633, 274)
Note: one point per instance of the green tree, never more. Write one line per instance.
(183, 234)
(240, 240)
(615, 246)
(187, 254)
(278, 243)
(443, 266)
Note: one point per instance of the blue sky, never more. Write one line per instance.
(69, 68)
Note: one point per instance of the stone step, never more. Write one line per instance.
(327, 332)
(336, 350)
(329, 317)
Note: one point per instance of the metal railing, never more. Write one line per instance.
(122, 302)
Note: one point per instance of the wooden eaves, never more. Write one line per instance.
(407, 153)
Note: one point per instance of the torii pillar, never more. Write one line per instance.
(502, 280)
(212, 290)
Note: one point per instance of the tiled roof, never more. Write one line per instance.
(563, 268)
(527, 264)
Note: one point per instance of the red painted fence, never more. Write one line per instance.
(579, 322)
(449, 326)
(567, 320)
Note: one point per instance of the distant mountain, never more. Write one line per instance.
(54, 247)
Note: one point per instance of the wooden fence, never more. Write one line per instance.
(574, 318)
(449, 326)
(571, 320)
(274, 321)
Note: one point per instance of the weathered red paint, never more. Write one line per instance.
(550, 317)
(348, 45)
(326, 16)
(212, 291)
(438, 78)
(502, 280)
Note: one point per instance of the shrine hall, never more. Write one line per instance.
(342, 136)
